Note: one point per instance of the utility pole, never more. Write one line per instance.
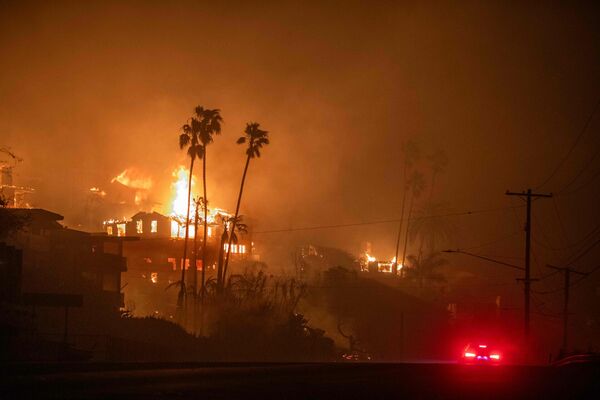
(567, 275)
(527, 280)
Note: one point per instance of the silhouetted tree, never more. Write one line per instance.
(411, 153)
(210, 126)
(430, 227)
(416, 185)
(255, 138)
(195, 137)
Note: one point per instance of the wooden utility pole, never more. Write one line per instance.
(567, 275)
(527, 280)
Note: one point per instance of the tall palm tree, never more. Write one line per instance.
(255, 138)
(195, 136)
(189, 138)
(210, 126)
(416, 185)
(411, 152)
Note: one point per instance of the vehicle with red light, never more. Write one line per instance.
(481, 353)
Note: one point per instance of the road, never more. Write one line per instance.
(298, 381)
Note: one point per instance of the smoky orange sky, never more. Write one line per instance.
(88, 89)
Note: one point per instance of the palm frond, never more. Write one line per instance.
(184, 140)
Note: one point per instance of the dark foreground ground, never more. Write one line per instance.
(306, 381)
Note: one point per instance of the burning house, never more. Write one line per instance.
(156, 259)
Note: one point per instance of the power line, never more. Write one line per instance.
(385, 221)
(584, 252)
(581, 171)
(499, 240)
(484, 258)
(577, 189)
(564, 159)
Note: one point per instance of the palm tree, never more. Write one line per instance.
(189, 138)
(195, 137)
(211, 125)
(431, 227)
(256, 138)
(416, 185)
(411, 152)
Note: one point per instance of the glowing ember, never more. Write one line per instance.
(98, 191)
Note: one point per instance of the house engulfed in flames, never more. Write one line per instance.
(368, 263)
(155, 261)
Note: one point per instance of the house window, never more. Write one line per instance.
(109, 230)
(153, 226)
(209, 231)
(138, 226)
(120, 229)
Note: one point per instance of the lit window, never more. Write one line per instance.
(234, 248)
(120, 229)
(173, 263)
(175, 228)
(226, 246)
(109, 230)
(153, 226)
(154, 277)
(138, 226)
(209, 231)
(242, 249)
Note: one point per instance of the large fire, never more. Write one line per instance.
(175, 207)
(133, 179)
(382, 265)
(180, 193)
(178, 209)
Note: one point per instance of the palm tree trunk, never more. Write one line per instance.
(195, 271)
(181, 297)
(237, 210)
(410, 210)
(401, 215)
(205, 227)
(220, 262)
(195, 252)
